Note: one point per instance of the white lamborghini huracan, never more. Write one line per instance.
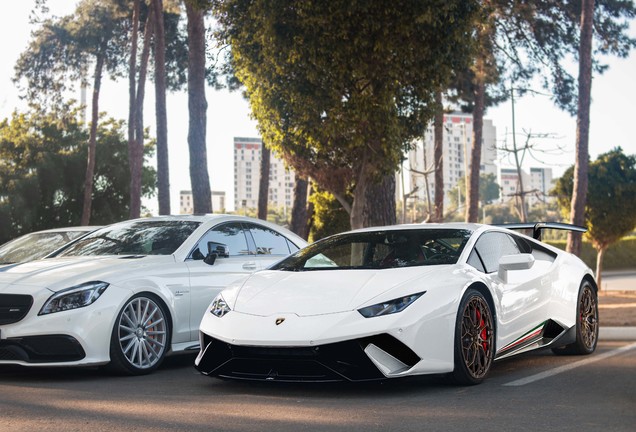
(403, 300)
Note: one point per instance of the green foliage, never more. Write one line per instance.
(42, 166)
(610, 212)
(619, 256)
(329, 217)
(278, 215)
(488, 190)
(500, 214)
(62, 49)
(340, 88)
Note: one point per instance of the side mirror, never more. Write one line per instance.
(514, 262)
(216, 250)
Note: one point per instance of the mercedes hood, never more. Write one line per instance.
(60, 273)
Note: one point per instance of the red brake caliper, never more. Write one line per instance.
(484, 331)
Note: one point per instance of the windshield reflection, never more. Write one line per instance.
(380, 250)
(35, 246)
(134, 238)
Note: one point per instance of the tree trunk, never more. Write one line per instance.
(163, 168)
(263, 184)
(356, 214)
(600, 254)
(137, 159)
(132, 98)
(380, 208)
(92, 140)
(472, 185)
(438, 156)
(197, 107)
(299, 217)
(579, 192)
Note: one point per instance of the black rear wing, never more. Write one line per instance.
(537, 227)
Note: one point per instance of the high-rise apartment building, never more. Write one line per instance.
(247, 172)
(458, 133)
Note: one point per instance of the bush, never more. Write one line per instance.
(619, 256)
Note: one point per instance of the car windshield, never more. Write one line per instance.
(35, 245)
(134, 238)
(380, 250)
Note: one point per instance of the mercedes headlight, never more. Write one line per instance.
(390, 306)
(219, 307)
(74, 297)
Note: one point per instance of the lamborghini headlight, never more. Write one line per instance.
(389, 307)
(219, 307)
(74, 297)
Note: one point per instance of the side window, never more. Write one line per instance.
(268, 242)
(292, 247)
(475, 261)
(491, 247)
(230, 234)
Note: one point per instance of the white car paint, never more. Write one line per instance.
(300, 309)
(185, 286)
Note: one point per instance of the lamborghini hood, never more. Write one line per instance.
(327, 291)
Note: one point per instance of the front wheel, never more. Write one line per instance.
(586, 323)
(140, 336)
(474, 339)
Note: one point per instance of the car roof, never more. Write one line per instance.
(84, 228)
(221, 217)
(424, 226)
(199, 218)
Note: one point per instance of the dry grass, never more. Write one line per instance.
(617, 308)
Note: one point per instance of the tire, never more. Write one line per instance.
(474, 342)
(139, 340)
(586, 323)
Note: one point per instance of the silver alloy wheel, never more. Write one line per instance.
(142, 332)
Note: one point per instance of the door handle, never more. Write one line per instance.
(249, 266)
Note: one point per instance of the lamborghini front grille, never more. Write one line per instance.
(341, 361)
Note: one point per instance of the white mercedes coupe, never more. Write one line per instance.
(402, 300)
(130, 293)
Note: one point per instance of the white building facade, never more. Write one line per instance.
(458, 133)
(247, 172)
(186, 206)
(536, 185)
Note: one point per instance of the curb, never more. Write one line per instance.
(617, 333)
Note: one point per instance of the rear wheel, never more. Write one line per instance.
(140, 336)
(474, 339)
(586, 323)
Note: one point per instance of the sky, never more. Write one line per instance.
(228, 116)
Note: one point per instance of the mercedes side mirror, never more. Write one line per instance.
(216, 250)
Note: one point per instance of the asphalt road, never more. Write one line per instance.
(533, 392)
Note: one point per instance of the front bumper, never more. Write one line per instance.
(353, 360)
(69, 338)
(41, 349)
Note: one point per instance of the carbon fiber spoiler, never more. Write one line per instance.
(536, 227)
